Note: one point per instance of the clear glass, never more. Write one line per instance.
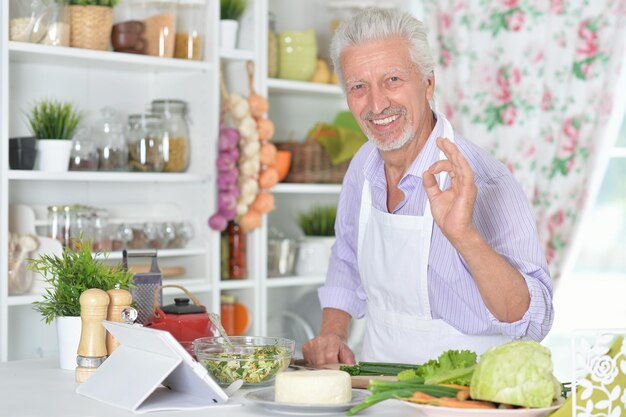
(84, 155)
(29, 20)
(122, 235)
(183, 232)
(81, 227)
(138, 237)
(175, 134)
(160, 27)
(101, 233)
(55, 223)
(58, 24)
(111, 141)
(145, 143)
(190, 31)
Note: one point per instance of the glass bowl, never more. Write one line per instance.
(254, 359)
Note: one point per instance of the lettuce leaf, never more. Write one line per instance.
(452, 367)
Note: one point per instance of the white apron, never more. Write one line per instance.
(393, 262)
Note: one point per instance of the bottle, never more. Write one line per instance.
(237, 251)
(175, 133)
(145, 143)
(272, 47)
(190, 29)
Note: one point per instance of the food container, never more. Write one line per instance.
(175, 133)
(183, 232)
(84, 153)
(254, 359)
(160, 27)
(190, 29)
(111, 142)
(281, 257)
(145, 143)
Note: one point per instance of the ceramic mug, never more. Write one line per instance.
(127, 37)
(297, 55)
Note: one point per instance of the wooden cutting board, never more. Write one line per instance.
(361, 381)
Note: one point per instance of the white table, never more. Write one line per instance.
(38, 388)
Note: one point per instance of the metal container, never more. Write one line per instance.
(281, 256)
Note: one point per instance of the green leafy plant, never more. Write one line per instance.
(318, 221)
(109, 3)
(68, 275)
(53, 119)
(232, 9)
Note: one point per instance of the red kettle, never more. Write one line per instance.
(183, 320)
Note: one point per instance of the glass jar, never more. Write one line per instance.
(190, 29)
(111, 142)
(160, 27)
(122, 235)
(101, 233)
(68, 219)
(81, 229)
(175, 133)
(55, 223)
(272, 47)
(84, 154)
(28, 20)
(145, 143)
(58, 24)
(236, 251)
(227, 313)
(183, 232)
(138, 237)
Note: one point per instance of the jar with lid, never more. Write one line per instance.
(190, 29)
(236, 251)
(175, 133)
(101, 234)
(84, 154)
(160, 27)
(145, 143)
(272, 47)
(109, 136)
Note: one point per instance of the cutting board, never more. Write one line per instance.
(361, 381)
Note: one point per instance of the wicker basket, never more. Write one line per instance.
(91, 27)
(311, 164)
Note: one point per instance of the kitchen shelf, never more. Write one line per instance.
(57, 55)
(96, 176)
(163, 253)
(194, 285)
(296, 281)
(300, 188)
(237, 55)
(276, 85)
(236, 284)
(25, 299)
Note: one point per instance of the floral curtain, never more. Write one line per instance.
(533, 82)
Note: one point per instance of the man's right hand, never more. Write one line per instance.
(330, 346)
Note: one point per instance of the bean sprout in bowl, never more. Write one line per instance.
(254, 359)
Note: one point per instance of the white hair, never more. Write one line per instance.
(377, 24)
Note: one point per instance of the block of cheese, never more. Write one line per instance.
(313, 387)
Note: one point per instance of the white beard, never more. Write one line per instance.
(395, 144)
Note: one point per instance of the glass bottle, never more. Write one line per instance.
(160, 27)
(68, 218)
(84, 154)
(55, 223)
(175, 133)
(190, 29)
(145, 143)
(237, 251)
(272, 47)
(111, 142)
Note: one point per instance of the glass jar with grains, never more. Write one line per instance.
(84, 154)
(111, 142)
(145, 143)
(189, 29)
(175, 133)
(160, 27)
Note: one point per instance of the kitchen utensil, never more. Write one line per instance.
(146, 285)
(281, 256)
(215, 319)
(183, 320)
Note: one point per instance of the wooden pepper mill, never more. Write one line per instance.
(92, 348)
(119, 300)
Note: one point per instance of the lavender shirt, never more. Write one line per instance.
(501, 214)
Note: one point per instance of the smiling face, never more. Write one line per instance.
(386, 93)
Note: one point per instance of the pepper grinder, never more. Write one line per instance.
(120, 299)
(92, 348)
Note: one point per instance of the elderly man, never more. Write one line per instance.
(436, 242)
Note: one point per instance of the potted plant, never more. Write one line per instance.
(66, 277)
(230, 12)
(318, 226)
(53, 123)
(91, 22)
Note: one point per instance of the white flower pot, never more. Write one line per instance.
(313, 255)
(54, 154)
(228, 34)
(68, 337)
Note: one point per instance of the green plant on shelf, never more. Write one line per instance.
(318, 221)
(232, 9)
(53, 119)
(75, 271)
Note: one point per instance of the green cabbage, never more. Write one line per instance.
(518, 373)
